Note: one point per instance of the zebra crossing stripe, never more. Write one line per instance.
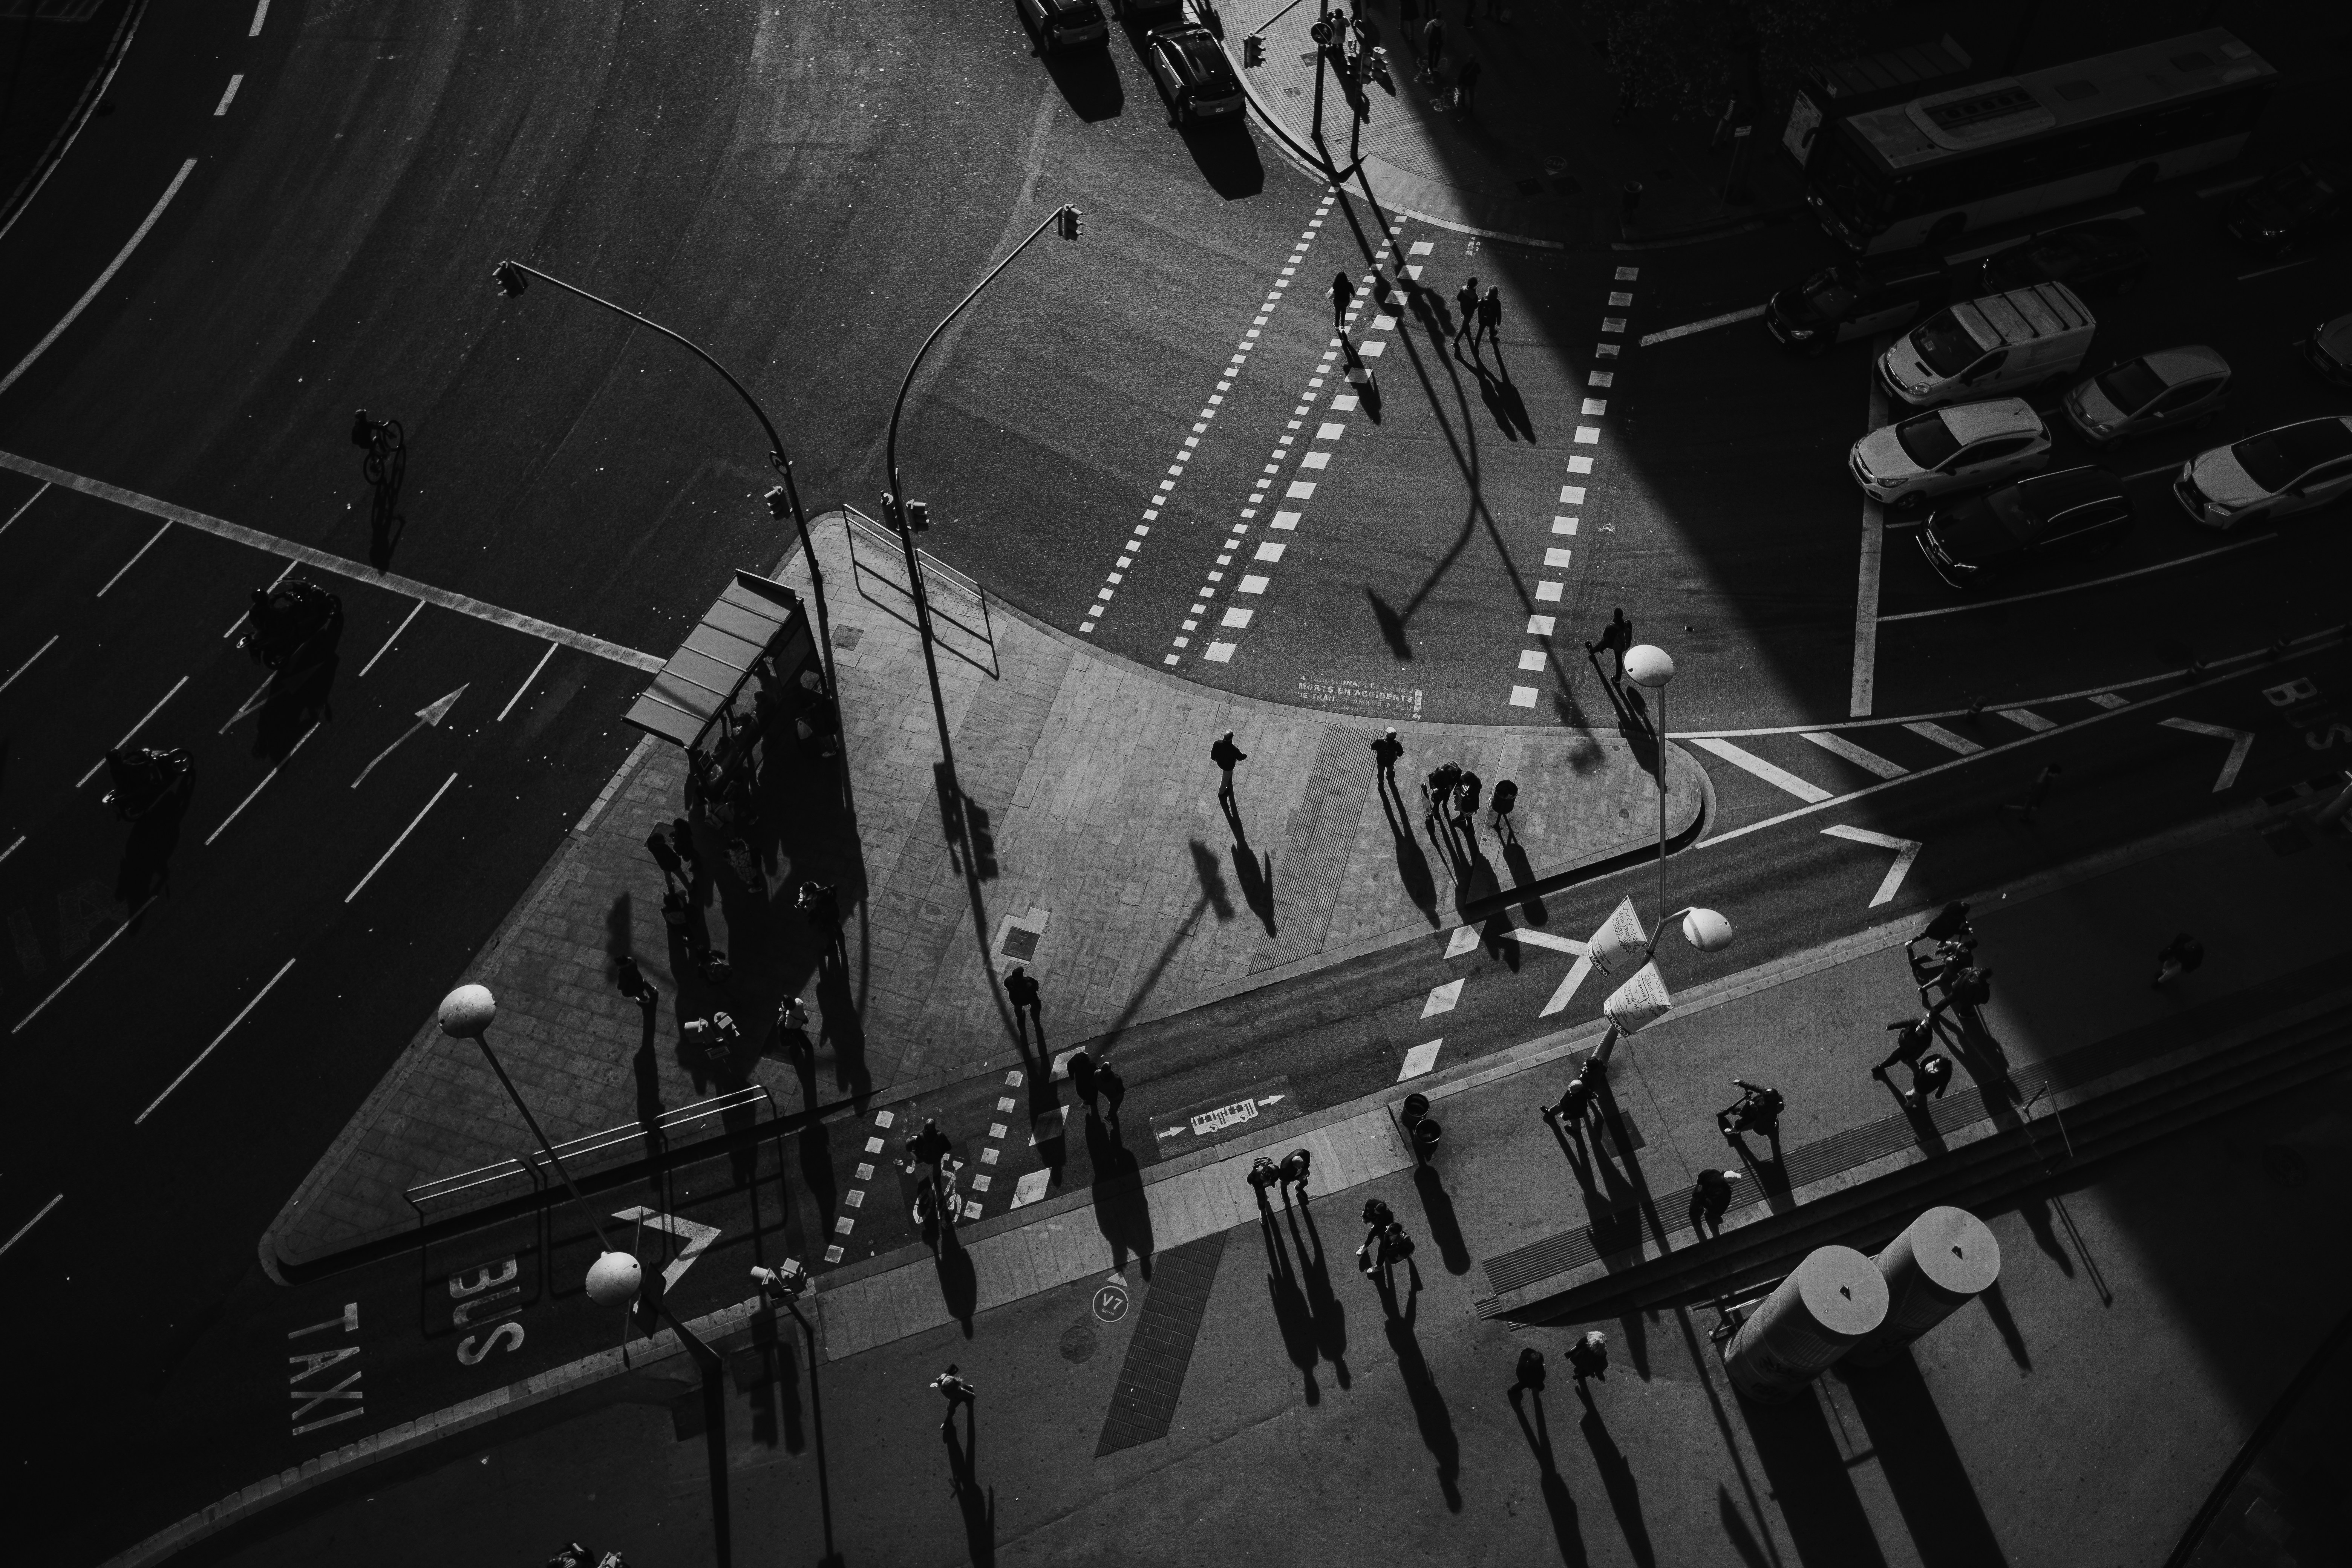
(1870, 762)
(1778, 777)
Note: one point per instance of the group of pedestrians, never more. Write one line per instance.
(1479, 315)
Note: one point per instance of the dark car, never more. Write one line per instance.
(1193, 74)
(2070, 512)
(2293, 206)
(1847, 302)
(2329, 349)
(1065, 24)
(2100, 258)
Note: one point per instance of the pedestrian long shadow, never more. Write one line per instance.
(1122, 1211)
(1328, 1316)
(1559, 1503)
(1256, 878)
(977, 1505)
(1413, 865)
(1429, 1412)
(1291, 1313)
(1437, 1213)
(1617, 1479)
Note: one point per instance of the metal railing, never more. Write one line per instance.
(882, 560)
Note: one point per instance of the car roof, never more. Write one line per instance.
(1973, 422)
(2336, 332)
(1192, 44)
(2190, 361)
(2062, 490)
(2311, 441)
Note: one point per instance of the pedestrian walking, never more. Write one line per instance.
(716, 1037)
(1946, 965)
(1629, 200)
(1467, 299)
(1530, 1370)
(1263, 1173)
(744, 864)
(1757, 1110)
(927, 1146)
(1506, 799)
(1439, 785)
(676, 912)
(633, 983)
(2035, 793)
(1931, 1077)
(1466, 798)
(1950, 924)
(1463, 85)
(1590, 1355)
(681, 844)
(793, 1024)
(818, 903)
(1386, 751)
(1020, 988)
(672, 869)
(1711, 1198)
(1912, 1038)
(958, 1391)
(2176, 958)
(1575, 1100)
(1377, 1218)
(1433, 44)
(1114, 1089)
(1343, 294)
(1396, 1245)
(1972, 988)
(1227, 756)
(1083, 1079)
(1295, 1166)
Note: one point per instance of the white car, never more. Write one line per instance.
(1951, 449)
(2279, 472)
(2156, 392)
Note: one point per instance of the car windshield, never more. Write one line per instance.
(2276, 459)
(1831, 291)
(1945, 346)
(2131, 386)
(1926, 440)
(2008, 506)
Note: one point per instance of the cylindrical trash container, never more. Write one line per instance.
(1425, 1136)
(1834, 1299)
(1946, 1257)
(1416, 1106)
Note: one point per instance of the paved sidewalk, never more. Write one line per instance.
(1093, 850)
(2072, 952)
(1540, 155)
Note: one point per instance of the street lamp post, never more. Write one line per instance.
(618, 1280)
(512, 280)
(467, 1014)
(1650, 667)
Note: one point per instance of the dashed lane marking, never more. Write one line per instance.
(257, 789)
(136, 556)
(413, 610)
(2075, 587)
(396, 843)
(1420, 1059)
(1441, 999)
(95, 954)
(229, 96)
(21, 669)
(1779, 777)
(155, 214)
(224, 1034)
(1687, 328)
(1838, 745)
(21, 511)
(1944, 737)
(25, 1229)
(358, 571)
(2027, 718)
(83, 782)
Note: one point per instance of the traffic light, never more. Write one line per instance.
(1074, 223)
(1254, 50)
(918, 516)
(511, 279)
(780, 503)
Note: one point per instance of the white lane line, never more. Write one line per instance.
(2109, 699)
(1441, 999)
(396, 843)
(1864, 690)
(358, 571)
(14, 848)
(127, 735)
(412, 611)
(526, 684)
(21, 669)
(25, 1229)
(260, 14)
(208, 1050)
(154, 215)
(2241, 742)
(1907, 850)
(1420, 1058)
(1778, 777)
(246, 615)
(260, 695)
(229, 96)
(2026, 717)
(127, 565)
(1944, 738)
(21, 511)
(2282, 266)
(1567, 944)
(2078, 587)
(95, 953)
(1566, 991)
(1707, 325)
(1838, 745)
(257, 789)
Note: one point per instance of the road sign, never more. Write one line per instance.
(1905, 851)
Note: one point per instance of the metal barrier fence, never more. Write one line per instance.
(875, 554)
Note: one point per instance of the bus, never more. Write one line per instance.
(1923, 172)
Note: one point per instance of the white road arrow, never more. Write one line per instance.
(1566, 988)
(1271, 1099)
(2241, 742)
(1905, 851)
(696, 1236)
(427, 716)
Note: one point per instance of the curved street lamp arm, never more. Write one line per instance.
(890, 448)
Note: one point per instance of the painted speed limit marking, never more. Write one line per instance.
(1110, 1303)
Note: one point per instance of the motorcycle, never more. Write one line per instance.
(289, 623)
(145, 777)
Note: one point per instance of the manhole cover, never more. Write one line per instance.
(1079, 1342)
(2285, 1167)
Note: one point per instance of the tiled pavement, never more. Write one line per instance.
(1100, 858)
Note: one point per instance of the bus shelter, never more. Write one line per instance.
(747, 682)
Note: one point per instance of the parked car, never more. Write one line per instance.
(2161, 391)
(2288, 469)
(2071, 512)
(1999, 343)
(2294, 205)
(2329, 349)
(1066, 23)
(2103, 257)
(1193, 74)
(1845, 301)
(1946, 449)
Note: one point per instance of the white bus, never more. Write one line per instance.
(1922, 173)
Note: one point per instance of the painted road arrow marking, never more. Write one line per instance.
(432, 716)
(1905, 851)
(1566, 988)
(696, 1236)
(2241, 742)
(1466, 937)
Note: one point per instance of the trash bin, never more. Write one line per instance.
(1426, 1135)
(1416, 1106)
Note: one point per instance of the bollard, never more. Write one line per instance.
(1944, 1261)
(1425, 1136)
(1834, 1298)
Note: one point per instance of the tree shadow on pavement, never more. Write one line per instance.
(1558, 1501)
(1808, 1476)
(1437, 1212)
(1122, 1212)
(1429, 1412)
(1328, 1318)
(1291, 1314)
(1923, 1469)
(1617, 1478)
